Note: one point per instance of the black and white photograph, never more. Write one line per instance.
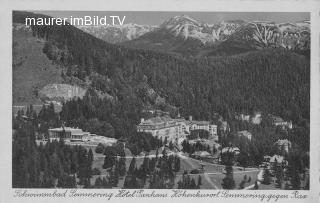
(137, 101)
(202, 100)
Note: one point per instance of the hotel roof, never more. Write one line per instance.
(68, 129)
(157, 119)
(198, 122)
(167, 119)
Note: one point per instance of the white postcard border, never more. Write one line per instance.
(7, 193)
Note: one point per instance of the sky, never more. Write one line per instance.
(156, 17)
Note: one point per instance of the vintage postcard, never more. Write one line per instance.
(153, 101)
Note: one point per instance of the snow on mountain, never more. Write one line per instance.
(269, 34)
(223, 30)
(118, 34)
(187, 28)
(183, 32)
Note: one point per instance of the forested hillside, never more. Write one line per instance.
(273, 80)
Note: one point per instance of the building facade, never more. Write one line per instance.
(278, 121)
(175, 129)
(68, 134)
(283, 145)
(162, 127)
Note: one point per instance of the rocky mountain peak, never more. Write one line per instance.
(178, 21)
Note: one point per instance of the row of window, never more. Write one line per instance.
(66, 135)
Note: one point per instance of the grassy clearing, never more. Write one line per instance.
(34, 69)
(210, 180)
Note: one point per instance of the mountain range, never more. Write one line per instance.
(187, 36)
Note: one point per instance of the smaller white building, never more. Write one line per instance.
(256, 118)
(234, 150)
(75, 136)
(68, 134)
(278, 121)
(242, 117)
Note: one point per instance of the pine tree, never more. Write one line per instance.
(87, 183)
(90, 157)
(105, 183)
(109, 161)
(177, 164)
(193, 184)
(132, 166)
(199, 182)
(185, 182)
(145, 165)
(171, 145)
(295, 180)
(114, 177)
(208, 149)
(274, 166)
(214, 149)
(164, 153)
(228, 181)
(122, 166)
(307, 185)
(131, 182)
(157, 153)
(279, 176)
(266, 177)
(165, 141)
(98, 183)
(287, 186)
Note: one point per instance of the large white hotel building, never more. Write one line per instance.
(176, 129)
